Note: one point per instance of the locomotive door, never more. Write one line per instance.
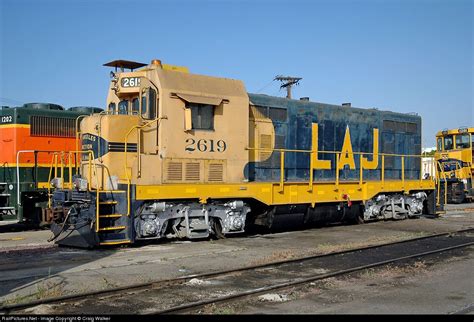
(149, 110)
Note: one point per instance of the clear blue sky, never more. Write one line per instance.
(404, 56)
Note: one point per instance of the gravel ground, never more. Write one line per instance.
(446, 287)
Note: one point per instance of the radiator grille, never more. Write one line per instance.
(193, 171)
(265, 143)
(175, 171)
(216, 172)
(52, 126)
(258, 113)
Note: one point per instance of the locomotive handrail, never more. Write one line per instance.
(138, 127)
(441, 169)
(18, 167)
(334, 152)
(89, 185)
(78, 133)
(101, 114)
(338, 155)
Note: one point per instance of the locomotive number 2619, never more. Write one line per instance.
(205, 145)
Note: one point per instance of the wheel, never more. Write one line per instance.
(217, 228)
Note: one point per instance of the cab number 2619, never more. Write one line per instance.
(205, 145)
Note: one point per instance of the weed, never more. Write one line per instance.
(108, 284)
(45, 289)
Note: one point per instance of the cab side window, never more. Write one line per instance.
(112, 108)
(135, 106)
(439, 144)
(149, 104)
(202, 116)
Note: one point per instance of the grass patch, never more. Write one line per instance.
(45, 289)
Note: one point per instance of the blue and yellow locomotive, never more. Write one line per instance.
(181, 155)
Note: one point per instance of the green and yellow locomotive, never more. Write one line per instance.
(181, 155)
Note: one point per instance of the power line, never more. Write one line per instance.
(261, 89)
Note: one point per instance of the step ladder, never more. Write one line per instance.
(113, 226)
(5, 209)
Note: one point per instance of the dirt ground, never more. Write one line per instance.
(445, 287)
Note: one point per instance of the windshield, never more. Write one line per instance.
(127, 106)
(462, 141)
(448, 142)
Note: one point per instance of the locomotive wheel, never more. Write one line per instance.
(217, 227)
(359, 220)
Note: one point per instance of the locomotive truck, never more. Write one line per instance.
(181, 155)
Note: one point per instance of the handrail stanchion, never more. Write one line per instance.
(403, 172)
(383, 171)
(55, 165)
(49, 180)
(337, 171)
(69, 159)
(61, 159)
(282, 169)
(361, 170)
(311, 170)
(421, 169)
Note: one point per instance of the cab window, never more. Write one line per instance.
(149, 104)
(123, 107)
(440, 144)
(144, 106)
(462, 141)
(135, 106)
(112, 108)
(448, 142)
(202, 116)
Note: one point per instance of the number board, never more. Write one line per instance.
(6, 119)
(205, 145)
(131, 82)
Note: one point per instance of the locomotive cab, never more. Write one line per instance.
(454, 157)
(178, 128)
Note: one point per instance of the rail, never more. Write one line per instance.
(119, 291)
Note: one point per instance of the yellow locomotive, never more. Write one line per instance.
(182, 155)
(454, 156)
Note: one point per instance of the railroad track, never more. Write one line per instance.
(193, 292)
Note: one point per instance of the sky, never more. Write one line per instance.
(402, 56)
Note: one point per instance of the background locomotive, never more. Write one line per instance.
(36, 129)
(184, 155)
(454, 155)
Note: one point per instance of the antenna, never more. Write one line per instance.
(288, 81)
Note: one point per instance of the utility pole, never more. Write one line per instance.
(288, 81)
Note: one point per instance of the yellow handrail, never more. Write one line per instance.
(78, 133)
(282, 153)
(138, 155)
(282, 170)
(403, 172)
